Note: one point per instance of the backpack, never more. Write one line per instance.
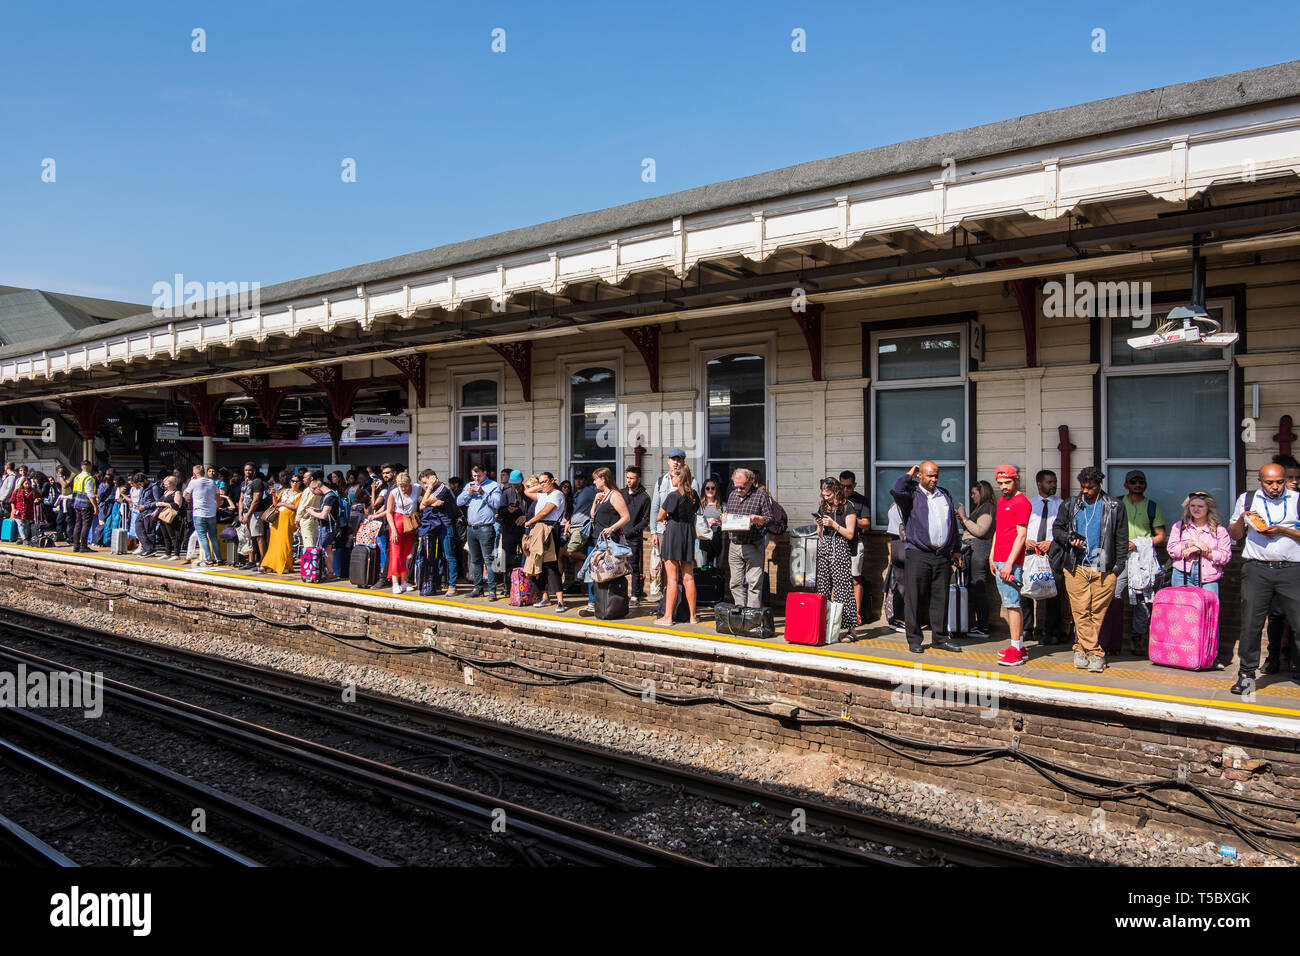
(780, 520)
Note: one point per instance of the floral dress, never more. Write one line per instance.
(834, 571)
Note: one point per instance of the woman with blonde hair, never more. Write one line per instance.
(402, 525)
(1200, 538)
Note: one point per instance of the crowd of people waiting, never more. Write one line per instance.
(1100, 549)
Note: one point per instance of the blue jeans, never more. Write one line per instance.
(206, 528)
(382, 544)
(450, 549)
(480, 542)
(1010, 593)
(1180, 579)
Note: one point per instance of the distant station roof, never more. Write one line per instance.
(28, 315)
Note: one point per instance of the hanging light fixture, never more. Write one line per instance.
(1189, 324)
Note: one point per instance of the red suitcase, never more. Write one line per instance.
(805, 618)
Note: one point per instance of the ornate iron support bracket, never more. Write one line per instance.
(412, 369)
(1065, 447)
(646, 340)
(1285, 436)
(340, 393)
(205, 406)
(266, 398)
(83, 409)
(1025, 293)
(520, 357)
(810, 323)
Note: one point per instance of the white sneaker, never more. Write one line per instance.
(407, 587)
(397, 588)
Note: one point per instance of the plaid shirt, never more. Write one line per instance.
(757, 502)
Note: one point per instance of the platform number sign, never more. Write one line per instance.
(977, 342)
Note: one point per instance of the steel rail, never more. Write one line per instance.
(30, 848)
(134, 814)
(567, 839)
(404, 736)
(950, 847)
(257, 819)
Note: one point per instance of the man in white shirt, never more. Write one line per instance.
(1269, 522)
(203, 493)
(1043, 618)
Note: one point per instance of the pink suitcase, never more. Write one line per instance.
(805, 618)
(1184, 628)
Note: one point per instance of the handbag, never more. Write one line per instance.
(756, 622)
(368, 533)
(1037, 581)
(168, 515)
(577, 541)
(410, 522)
(606, 566)
(703, 530)
(268, 515)
(499, 559)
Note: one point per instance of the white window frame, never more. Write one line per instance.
(702, 352)
(569, 364)
(879, 522)
(1224, 365)
(458, 382)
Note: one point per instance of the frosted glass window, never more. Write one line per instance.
(1150, 417)
(919, 356)
(913, 424)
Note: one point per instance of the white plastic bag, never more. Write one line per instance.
(1037, 582)
(499, 560)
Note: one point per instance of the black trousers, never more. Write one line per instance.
(1260, 585)
(925, 580)
(81, 527)
(635, 545)
(169, 536)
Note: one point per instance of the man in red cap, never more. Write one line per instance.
(1008, 557)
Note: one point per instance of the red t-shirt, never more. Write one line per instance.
(1012, 511)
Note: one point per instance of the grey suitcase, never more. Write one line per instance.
(119, 541)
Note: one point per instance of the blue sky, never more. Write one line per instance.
(226, 165)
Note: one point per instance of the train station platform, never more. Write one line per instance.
(1130, 684)
(958, 722)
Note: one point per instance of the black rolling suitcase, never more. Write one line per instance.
(708, 587)
(611, 599)
(363, 569)
(681, 610)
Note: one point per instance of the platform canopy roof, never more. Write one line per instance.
(1125, 181)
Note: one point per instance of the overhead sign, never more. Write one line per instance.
(166, 432)
(45, 431)
(378, 423)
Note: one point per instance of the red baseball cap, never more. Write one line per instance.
(1006, 471)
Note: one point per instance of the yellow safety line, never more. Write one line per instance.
(827, 651)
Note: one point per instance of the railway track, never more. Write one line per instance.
(311, 696)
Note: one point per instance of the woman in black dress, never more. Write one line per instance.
(836, 528)
(608, 516)
(677, 546)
